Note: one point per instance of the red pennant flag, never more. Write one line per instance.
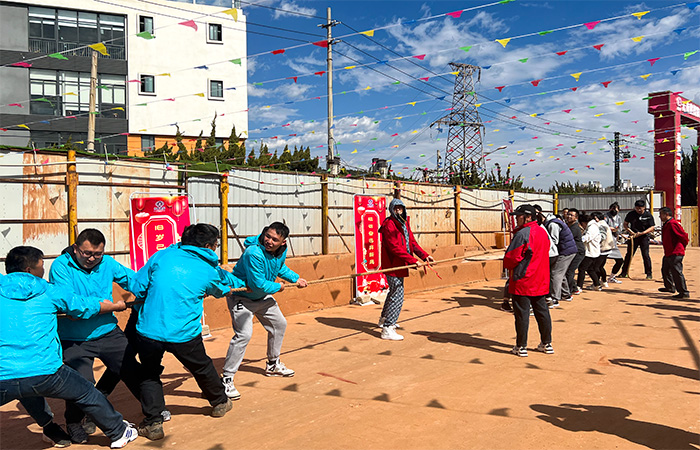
(566, 110)
(574, 88)
(19, 105)
(500, 88)
(424, 78)
(606, 83)
(514, 117)
(292, 78)
(535, 82)
(598, 47)
(562, 53)
(653, 60)
(455, 14)
(323, 44)
(273, 137)
(277, 52)
(591, 25)
(169, 99)
(547, 123)
(532, 160)
(421, 57)
(21, 64)
(286, 124)
(293, 134)
(395, 134)
(320, 73)
(189, 23)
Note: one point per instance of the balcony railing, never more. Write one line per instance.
(48, 46)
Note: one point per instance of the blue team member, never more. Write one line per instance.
(259, 266)
(83, 268)
(174, 283)
(31, 365)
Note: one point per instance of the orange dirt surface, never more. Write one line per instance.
(624, 375)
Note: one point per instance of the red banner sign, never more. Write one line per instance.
(156, 223)
(369, 214)
(508, 208)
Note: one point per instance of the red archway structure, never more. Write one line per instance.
(670, 111)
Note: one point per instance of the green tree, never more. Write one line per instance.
(166, 149)
(182, 153)
(198, 150)
(285, 159)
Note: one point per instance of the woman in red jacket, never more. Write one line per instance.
(398, 246)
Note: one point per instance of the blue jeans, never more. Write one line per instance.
(38, 409)
(67, 384)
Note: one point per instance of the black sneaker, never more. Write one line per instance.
(671, 291)
(680, 295)
(89, 426)
(505, 306)
(77, 433)
(152, 432)
(54, 434)
(650, 277)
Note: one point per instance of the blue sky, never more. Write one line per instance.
(539, 147)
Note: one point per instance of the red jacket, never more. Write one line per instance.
(394, 252)
(527, 257)
(674, 238)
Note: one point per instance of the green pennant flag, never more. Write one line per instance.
(141, 104)
(236, 61)
(57, 56)
(466, 48)
(557, 133)
(573, 146)
(524, 60)
(542, 93)
(646, 98)
(145, 35)
(626, 110)
(503, 2)
(542, 33)
(396, 82)
(687, 55)
(606, 126)
(257, 84)
(593, 106)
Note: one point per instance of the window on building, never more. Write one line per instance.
(75, 91)
(44, 92)
(42, 27)
(112, 96)
(67, 26)
(148, 84)
(146, 24)
(216, 89)
(111, 29)
(148, 143)
(215, 33)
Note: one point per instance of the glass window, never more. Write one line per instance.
(216, 89)
(44, 90)
(148, 143)
(87, 28)
(148, 84)
(215, 33)
(42, 23)
(145, 24)
(67, 26)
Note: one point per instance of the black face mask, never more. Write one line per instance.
(613, 212)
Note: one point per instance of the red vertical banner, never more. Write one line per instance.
(369, 213)
(508, 208)
(155, 223)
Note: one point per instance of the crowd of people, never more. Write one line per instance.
(546, 252)
(43, 355)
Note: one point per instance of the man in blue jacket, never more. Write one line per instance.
(260, 265)
(83, 268)
(31, 366)
(174, 283)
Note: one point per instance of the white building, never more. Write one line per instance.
(158, 71)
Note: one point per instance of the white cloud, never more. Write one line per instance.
(287, 5)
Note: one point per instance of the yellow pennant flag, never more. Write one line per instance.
(144, 129)
(356, 141)
(639, 15)
(100, 48)
(349, 67)
(200, 94)
(414, 131)
(533, 115)
(575, 171)
(598, 115)
(267, 107)
(477, 105)
(496, 130)
(23, 126)
(503, 42)
(244, 131)
(644, 77)
(354, 151)
(233, 12)
(619, 103)
(118, 108)
(369, 33)
(411, 103)
(576, 75)
(637, 39)
(398, 118)
(367, 88)
(578, 131)
(454, 73)
(166, 74)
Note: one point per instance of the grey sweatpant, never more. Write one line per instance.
(557, 275)
(242, 311)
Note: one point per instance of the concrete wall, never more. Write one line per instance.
(15, 28)
(337, 293)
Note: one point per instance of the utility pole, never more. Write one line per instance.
(93, 102)
(618, 181)
(332, 161)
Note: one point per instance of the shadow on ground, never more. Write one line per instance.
(466, 339)
(614, 421)
(491, 298)
(657, 367)
(350, 324)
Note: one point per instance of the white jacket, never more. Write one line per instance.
(591, 239)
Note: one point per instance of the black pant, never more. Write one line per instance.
(642, 243)
(672, 273)
(618, 265)
(571, 271)
(587, 267)
(599, 267)
(116, 354)
(192, 355)
(521, 310)
(109, 379)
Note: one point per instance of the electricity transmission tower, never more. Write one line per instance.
(464, 154)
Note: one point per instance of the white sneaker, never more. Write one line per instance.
(390, 334)
(380, 324)
(605, 284)
(614, 279)
(231, 391)
(278, 369)
(130, 433)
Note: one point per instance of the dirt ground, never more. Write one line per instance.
(625, 374)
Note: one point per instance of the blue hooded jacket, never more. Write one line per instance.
(29, 344)
(66, 273)
(173, 284)
(259, 269)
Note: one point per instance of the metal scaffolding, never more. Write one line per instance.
(464, 153)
